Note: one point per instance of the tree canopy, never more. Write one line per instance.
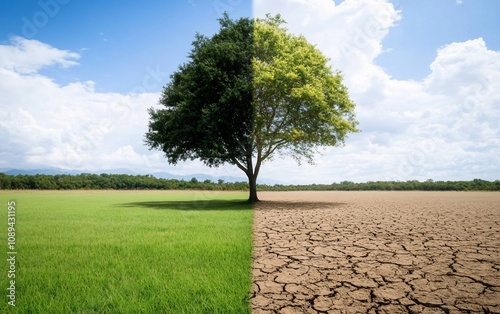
(208, 111)
(248, 92)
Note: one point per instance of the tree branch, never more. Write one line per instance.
(271, 149)
(239, 165)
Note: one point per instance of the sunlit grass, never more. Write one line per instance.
(130, 252)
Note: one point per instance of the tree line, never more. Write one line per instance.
(413, 185)
(87, 181)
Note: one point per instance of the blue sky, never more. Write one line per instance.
(117, 40)
(76, 79)
(429, 24)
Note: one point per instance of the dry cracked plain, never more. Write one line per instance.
(377, 252)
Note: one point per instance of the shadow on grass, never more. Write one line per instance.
(193, 205)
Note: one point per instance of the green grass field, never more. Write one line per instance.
(128, 252)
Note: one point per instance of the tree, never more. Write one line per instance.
(247, 93)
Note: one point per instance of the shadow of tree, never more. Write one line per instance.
(218, 205)
(193, 205)
(295, 205)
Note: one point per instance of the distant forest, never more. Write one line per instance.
(147, 182)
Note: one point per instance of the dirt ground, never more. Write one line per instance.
(377, 252)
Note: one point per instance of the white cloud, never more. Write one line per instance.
(71, 126)
(457, 65)
(28, 56)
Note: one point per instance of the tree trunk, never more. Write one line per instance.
(252, 181)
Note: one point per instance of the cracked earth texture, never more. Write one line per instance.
(377, 252)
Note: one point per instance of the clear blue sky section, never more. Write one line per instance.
(121, 42)
(430, 24)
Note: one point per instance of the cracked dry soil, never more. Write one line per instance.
(377, 252)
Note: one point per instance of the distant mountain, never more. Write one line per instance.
(54, 171)
(164, 175)
(32, 172)
(117, 171)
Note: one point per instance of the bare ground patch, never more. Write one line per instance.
(377, 252)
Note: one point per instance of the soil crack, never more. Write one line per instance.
(361, 252)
